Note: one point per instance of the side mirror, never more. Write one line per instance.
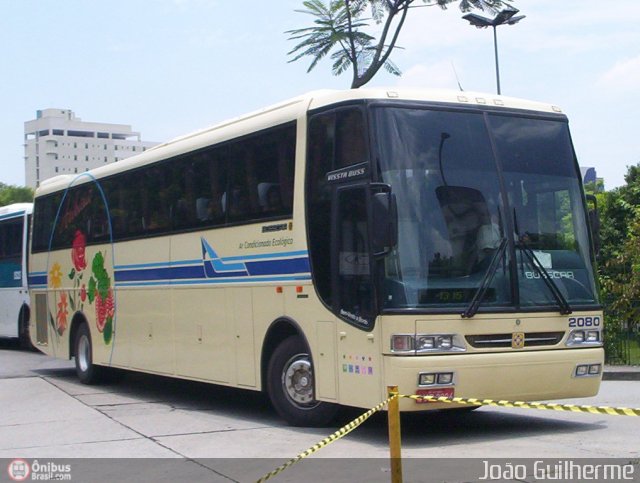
(594, 222)
(385, 220)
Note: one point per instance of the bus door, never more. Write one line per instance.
(351, 263)
(11, 275)
(339, 211)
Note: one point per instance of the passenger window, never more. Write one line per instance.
(44, 215)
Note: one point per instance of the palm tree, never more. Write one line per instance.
(339, 31)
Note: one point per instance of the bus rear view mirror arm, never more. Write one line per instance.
(384, 220)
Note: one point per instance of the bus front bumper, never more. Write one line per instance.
(512, 376)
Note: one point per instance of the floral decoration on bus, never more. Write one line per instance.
(90, 288)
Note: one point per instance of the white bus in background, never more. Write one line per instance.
(14, 294)
(329, 246)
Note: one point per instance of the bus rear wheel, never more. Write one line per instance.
(87, 372)
(291, 388)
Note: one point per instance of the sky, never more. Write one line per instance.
(169, 67)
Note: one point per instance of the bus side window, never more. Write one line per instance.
(336, 139)
(45, 209)
(350, 143)
(74, 216)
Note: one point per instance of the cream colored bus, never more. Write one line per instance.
(326, 247)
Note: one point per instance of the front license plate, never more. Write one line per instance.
(438, 392)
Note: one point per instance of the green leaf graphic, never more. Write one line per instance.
(108, 331)
(101, 275)
(91, 290)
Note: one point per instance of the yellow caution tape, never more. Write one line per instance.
(343, 431)
(531, 405)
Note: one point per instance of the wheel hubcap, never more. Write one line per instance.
(297, 380)
(84, 353)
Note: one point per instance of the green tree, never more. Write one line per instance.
(15, 194)
(619, 259)
(343, 30)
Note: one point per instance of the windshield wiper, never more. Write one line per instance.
(474, 305)
(564, 306)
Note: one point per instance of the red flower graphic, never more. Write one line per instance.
(104, 309)
(83, 293)
(61, 316)
(77, 251)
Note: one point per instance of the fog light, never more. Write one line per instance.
(426, 343)
(445, 378)
(594, 369)
(593, 336)
(582, 370)
(401, 343)
(445, 342)
(427, 379)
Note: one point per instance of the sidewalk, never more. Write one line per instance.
(621, 373)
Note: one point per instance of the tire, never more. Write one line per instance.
(86, 370)
(291, 387)
(23, 329)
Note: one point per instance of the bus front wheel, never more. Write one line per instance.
(291, 388)
(87, 372)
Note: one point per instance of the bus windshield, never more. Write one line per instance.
(488, 202)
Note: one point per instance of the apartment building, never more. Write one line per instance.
(57, 142)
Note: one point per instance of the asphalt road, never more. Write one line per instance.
(46, 413)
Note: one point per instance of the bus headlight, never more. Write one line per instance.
(592, 336)
(584, 337)
(577, 337)
(445, 342)
(425, 343)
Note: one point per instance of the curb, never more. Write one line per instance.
(622, 373)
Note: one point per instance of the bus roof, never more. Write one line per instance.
(288, 111)
(16, 208)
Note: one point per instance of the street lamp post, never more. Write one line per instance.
(504, 17)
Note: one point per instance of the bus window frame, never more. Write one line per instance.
(287, 128)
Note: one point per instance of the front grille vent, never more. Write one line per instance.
(531, 339)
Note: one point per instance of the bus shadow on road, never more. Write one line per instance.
(419, 430)
(442, 428)
(128, 388)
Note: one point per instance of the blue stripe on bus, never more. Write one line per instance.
(270, 267)
(298, 253)
(301, 278)
(244, 258)
(157, 264)
(12, 215)
(128, 279)
(208, 270)
(40, 280)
